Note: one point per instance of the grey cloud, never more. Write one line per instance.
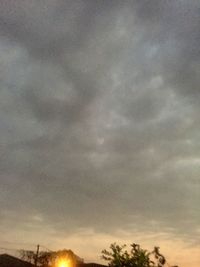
(49, 29)
(97, 111)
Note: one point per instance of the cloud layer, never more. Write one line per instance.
(99, 111)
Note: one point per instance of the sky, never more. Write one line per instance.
(100, 125)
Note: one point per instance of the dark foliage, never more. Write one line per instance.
(118, 256)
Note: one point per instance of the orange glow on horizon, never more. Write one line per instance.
(63, 263)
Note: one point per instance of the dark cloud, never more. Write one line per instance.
(99, 115)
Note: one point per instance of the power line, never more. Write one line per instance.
(19, 249)
(46, 248)
(14, 249)
(18, 243)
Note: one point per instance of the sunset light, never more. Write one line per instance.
(63, 263)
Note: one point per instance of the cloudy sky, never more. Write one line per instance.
(100, 125)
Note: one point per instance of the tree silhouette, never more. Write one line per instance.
(118, 256)
(48, 259)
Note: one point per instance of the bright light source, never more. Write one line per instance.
(63, 263)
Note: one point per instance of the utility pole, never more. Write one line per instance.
(36, 256)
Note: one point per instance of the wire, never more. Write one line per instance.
(46, 248)
(10, 249)
(19, 243)
(17, 249)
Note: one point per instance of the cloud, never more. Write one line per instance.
(99, 116)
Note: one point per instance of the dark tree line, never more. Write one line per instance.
(118, 256)
(48, 259)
